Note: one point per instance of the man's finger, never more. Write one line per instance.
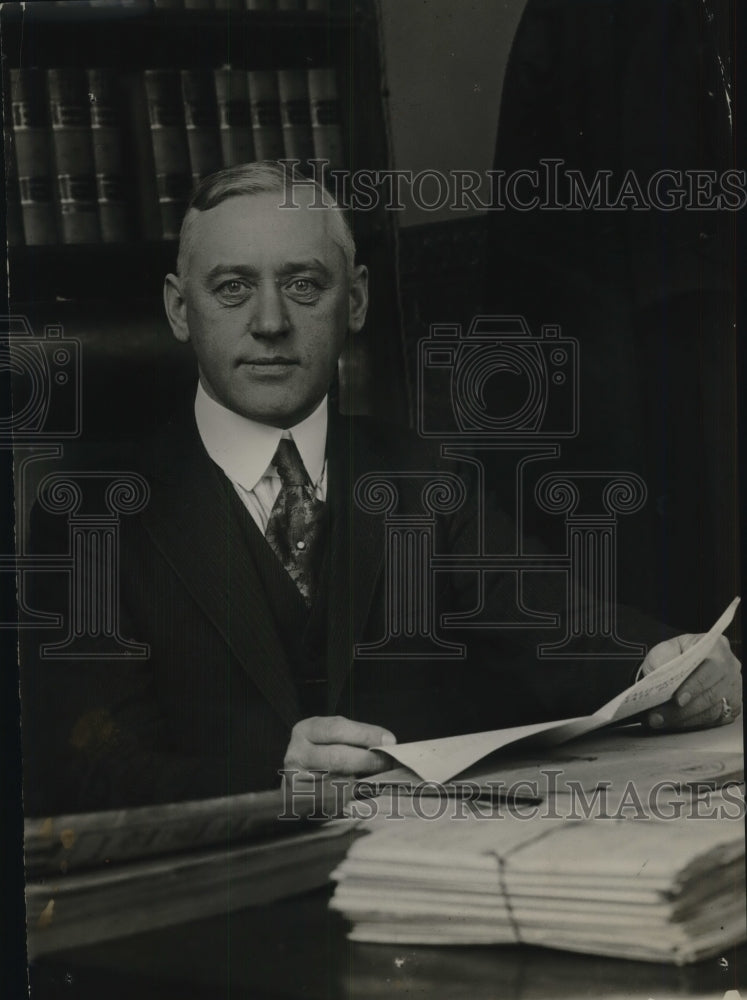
(337, 729)
(704, 678)
(345, 760)
(708, 713)
(713, 715)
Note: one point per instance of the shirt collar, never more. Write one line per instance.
(244, 449)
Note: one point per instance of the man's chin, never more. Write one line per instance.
(275, 414)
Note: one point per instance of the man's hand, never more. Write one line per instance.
(710, 696)
(337, 745)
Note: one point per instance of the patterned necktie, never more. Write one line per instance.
(296, 519)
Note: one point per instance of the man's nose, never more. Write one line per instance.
(269, 318)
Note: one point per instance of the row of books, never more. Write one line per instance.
(271, 5)
(95, 156)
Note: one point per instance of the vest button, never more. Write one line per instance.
(301, 545)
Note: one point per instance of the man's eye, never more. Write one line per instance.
(304, 289)
(233, 287)
(232, 291)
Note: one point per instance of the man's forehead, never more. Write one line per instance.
(265, 223)
(274, 209)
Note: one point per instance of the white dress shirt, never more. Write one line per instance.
(244, 450)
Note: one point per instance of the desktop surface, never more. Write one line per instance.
(297, 948)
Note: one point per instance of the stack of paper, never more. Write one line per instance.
(658, 890)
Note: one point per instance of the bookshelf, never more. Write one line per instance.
(131, 39)
(60, 35)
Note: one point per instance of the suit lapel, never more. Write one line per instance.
(191, 520)
(357, 547)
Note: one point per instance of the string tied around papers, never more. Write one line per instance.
(502, 863)
(440, 760)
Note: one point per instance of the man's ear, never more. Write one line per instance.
(358, 298)
(176, 307)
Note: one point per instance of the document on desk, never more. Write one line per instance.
(443, 759)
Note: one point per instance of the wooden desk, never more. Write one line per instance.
(297, 949)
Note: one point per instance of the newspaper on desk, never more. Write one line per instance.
(440, 760)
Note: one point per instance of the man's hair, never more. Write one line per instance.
(262, 177)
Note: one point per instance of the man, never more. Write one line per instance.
(252, 574)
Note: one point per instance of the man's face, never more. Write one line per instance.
(267, 302)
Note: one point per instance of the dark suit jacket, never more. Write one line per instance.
(210, 711)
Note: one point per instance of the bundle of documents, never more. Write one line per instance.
(97, 876)
(657, 890)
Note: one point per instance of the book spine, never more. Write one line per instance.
(318, 5)
(201, 119)
(140, 159)
(73, 152)
(326, 117)
(168, 4)
(260, 4)
(234, 116)
(13, 219)
(265, 105)
(198, 5)
(33, 142)
(295, 114)
(229, 4)
(108, 155)
(170, 149)
(290, 4)
(126, 4)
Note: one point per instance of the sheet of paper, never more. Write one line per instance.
(713, 756)
(443, 759)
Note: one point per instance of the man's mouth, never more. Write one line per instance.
(274, 362)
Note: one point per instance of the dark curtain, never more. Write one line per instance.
(641, 86)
